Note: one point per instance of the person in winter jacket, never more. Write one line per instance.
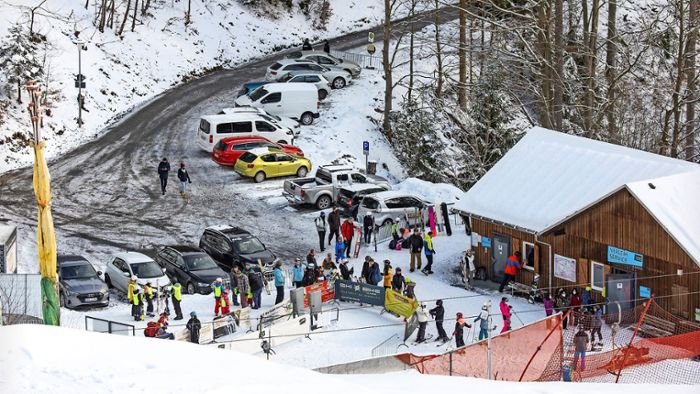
(597, 324)
(347, 230)
(298, 273)
(438, 314)
(429, 252)
(483, 320)
(326, 46)
(395, 229)
(513, 264)
(306, 46)
(193, 326)
(364, 275)
(311, 258)
(575, 302)
(416, 243)
(375, 274)
(468, 268)
(368, 227)
(137, 305)
(184, 178)
(163, 170)
(346, 273)
(422, 315)
(548, 305)
(242, 285)
(218, 290)
(149, 296)
(398, 282)
(226, 301)
(257, 284)
(130, 287)
(387, 274)
(279, 283)
(580, 346)
(333, 225)
(321, 225)
(562, 305)
(339, 249)
(310, 276)
(505, 313)
(587, 297)
(459, 329)
(410, 290)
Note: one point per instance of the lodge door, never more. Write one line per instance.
(620, 291)
(501, 251)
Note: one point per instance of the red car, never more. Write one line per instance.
(228, 150)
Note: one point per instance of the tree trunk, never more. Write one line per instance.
(103, 16)
(411, 51)
(146, 4)
(589, 100)
(559, 64)
(126, 16)
(438, 52)
(675, 97)
(462, 86)
(133, 18)
(388, 81)
(188, 15)
(543, 43)
(610, 72)
(86, 3)
(19, 90)
(111, 14)
(691, 73)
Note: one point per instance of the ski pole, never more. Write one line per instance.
(516, 315)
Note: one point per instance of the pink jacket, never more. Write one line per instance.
(505, 310)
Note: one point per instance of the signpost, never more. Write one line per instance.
(365, 150)
(370, 48)
(80, 81)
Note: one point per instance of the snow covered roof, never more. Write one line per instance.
(548, 176)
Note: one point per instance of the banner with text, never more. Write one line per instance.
(346, 290)
(327, 293)
(399, 304)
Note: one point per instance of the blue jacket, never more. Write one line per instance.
(586, 298)
(598, 318)
(375, 275)
(298, 273)
(339, 251)
(279, 277)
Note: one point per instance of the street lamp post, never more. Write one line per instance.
(80, 81)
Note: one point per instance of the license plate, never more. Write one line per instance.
(90, 299)
(203, 136)
(216, 155)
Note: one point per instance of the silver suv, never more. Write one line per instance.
(337, 77)
(328, 60)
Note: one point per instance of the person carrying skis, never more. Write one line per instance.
(438, 314)
(218, 287)
(483, 320)
(429, 252)
(459, 329)
(347, 230)
(580, 346)
(163, 170)
(320, 223)
(387, 274)
(398, 282)
(367, 227)
(513, 264)
(306, 46)
(193, 326)
(279, 282)
(298, 273)
(346, 273)
(184, 178)
(148, 295)
(423, 318)
(505, 313)
(339, 248)
(416, 243)
(468, 268)
(177, 299)
(137, 305)
(333, 225)
(242, 285)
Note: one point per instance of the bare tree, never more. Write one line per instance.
(126, 16)
(691, 123)
(558, 74)
(610, 71)
(188, 15)
(462, 87)
(438, 52)
(133, 18)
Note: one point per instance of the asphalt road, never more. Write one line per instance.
(107, 193)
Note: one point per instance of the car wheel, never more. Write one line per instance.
(190, 288)
(387, 222)
(259, 177)
(302, 171)
(322, 94)
(338, 83)
(323, 202)
(307, 118)
(108, 282)
(283, 142)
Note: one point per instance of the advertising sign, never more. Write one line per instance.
(327, 294)
(399, 304)
(486, 241)
(565, 268)
(644, 292)
(621, 256)
(346, 290)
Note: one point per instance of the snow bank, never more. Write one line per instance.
(433, 192)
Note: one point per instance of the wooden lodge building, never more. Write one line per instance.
(586, 213)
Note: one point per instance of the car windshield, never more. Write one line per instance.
(221, 145)
(285, 77)
(146, 269)
(81, 271)
(248, 245)
(248, 157)
(258, 93)
(204, 126)
(294, 55)
(198, 262)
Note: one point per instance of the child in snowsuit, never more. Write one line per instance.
(194, 325)
(137, 305)
(459, 329)
(548, 305)
(505, 312)
(580, 346)
(218, 288)
(387, 274)
(339, 249)
(226, 302)
(483, 320)
(438, 314)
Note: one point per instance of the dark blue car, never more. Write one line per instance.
(250, 86)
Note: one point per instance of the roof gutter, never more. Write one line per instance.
(485, 219)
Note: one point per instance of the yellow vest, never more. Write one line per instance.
(177, 291)
(130, 290)
(148, 291)
(136, 299)
(217, 291)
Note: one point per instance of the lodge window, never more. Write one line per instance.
(597, 276)
(529, 255)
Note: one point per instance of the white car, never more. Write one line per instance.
(124, 265)
(328, 60)
(321, 83)
(338, 78)
(280, 120)
(213, 128)
(389, 205)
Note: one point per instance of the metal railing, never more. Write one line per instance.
(365, 61)
(108, 326)
(388, 346)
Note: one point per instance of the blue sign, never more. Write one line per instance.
(621, 256)
(644, 292)
(486, 241)
(365, 147)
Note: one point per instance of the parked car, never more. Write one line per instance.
(213, 128)
(228, 150)
(387, 206)
(124, 265)
(294, 100)
(263, 163)
(249, 87)
(322, 190)
(280, 120)
(328, 60)
(79, 284)
(233, 246)
(323, 86)
(338, 78)
(350, 196)
(193, 268)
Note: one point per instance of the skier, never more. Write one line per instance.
(339, 248)
(257, 283)
(184, 178)
(367, 226)
(398, 282)
(483, 320)
(375, 274)
(226, 301)
(580, 346)
(410, 290)
(306, 46)
(346, 273)
(137, 305)
(163, 170)
(513, 264)
(242, 285)
(177, 299)
(597, 324)
(429, 252)
(194, 325)
(438, 314)
(459, 329)
(298, 273)
(468, 268)
(347, 230)
(320, 223)
(575, 302)
(505, 313)
(423, 318)
(218, 287)
(416, 243)
(326, 46)
(333, 225)
(279, 282)
(148, 294)
(387, 274)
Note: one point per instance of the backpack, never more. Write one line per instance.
(151, 329)
(397, 246)
(392, 244)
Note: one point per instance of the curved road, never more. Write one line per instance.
(107, 194)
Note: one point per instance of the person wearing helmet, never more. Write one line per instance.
(438, 314)
(148, 294)
(137, 305)
(368, 226)
(387, 274)
(410, 290)
(321, 225)
(505, 313)
(459, 329)
(483, 319)
(193, 326)
(218, 287)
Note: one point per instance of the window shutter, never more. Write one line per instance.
(582, 271)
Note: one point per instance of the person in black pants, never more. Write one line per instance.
(320, 223)
(163, 170)
(333, 225)
(368, 226)
(438, 314)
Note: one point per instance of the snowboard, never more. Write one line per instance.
(449, 343)
(446, 218)
(431, 219)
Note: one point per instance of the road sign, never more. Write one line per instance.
(80, 81)
(365, 147)
(371, 49)
(370, 37)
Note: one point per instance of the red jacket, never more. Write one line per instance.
(505, 310)
(513, 265)
(347, 229)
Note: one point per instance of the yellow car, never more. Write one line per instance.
(263, 163)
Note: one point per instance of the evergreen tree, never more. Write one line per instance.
(19, 59)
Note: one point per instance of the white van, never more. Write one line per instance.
(294, 100)
(213, 128)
